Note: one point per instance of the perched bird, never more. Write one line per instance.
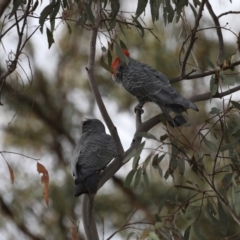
(149, 85)
(93, 152)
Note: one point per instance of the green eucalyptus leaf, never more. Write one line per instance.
(196, 228)
(146, 181)
(193, 10)
(223, 219)
(163, 200)
(16, 5)
(137, 155)
(214, 111)
(104, 65)
(187, 233)
(50, 38)
(209, 144)
(137, 178)
(44, 14)
(129, 178)
(141, 7)
(209, 62)
(89, 12)
(121, 55)
(226, 181)
(236, 104)
(146, 135)
(213, 86)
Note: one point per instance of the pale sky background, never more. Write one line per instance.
(124, 121)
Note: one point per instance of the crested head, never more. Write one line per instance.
(94, 125)
(116, 61)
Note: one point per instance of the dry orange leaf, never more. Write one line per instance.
(10, 172)
(44, 180)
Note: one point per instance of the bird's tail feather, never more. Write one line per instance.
(88, 185)
(173, 114)
(177, 121)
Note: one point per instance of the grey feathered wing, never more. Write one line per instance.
(149, 85)
(93, 153)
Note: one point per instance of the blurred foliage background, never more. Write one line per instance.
(41, 118)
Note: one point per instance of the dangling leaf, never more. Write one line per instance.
(163, 200)
(173, 161)
(146, 135)
(187, 233)
(44, 180)
(163, 137)
(137, 177)
(226, 181)
(10, 172)
(16, 5)
(213, 86)
(54, 14)
(193, 10)
(141, 7)
(120, 54)
(109, 57)
(214, 111)
(50, 38)
(129, 178)
(146, 162)
(44, 14)
(35, 6)
(88, 9)
(209, 62)
(115, 6)
(105, 66)
(156, 160)
(130, 155)
(196, 227)
(181, 165)
(145, 178)
(209, 144)
(236, 104)
(211, 208)
(155, 5)
(137, 155)
(223, 219)
(139, 27)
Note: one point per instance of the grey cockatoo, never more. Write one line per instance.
(149, 85)
(93, 152)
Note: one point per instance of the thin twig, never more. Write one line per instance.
(200, 75)
(219, 33)
(20, 154)
(225, 13)
(192, 39)
(207, 96)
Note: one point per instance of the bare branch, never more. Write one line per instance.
(206, 96)
(200, 75)
(88, 217)
(12, 66)
(20, 154)
(192, 39)
(117, 163)
(230, 12)
(219, 33)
